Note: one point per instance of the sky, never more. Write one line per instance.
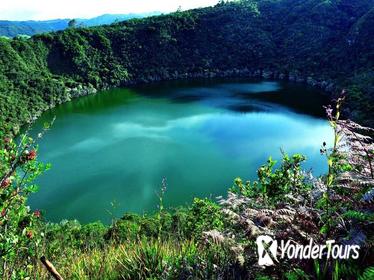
(53, 9)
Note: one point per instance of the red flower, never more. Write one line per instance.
(3, 212)
(31, 155)
(37, 213)
(5, 183)
(29, 234)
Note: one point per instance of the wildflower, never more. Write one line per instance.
(37, 214)
(5, 183)
(3, 212)
(29, 155)
(329, 112)
(164, 185)
(29, 234)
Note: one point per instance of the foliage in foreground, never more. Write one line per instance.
(20, 228)
(209, 239)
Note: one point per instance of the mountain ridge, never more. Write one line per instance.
(9, 28)
(305, 41)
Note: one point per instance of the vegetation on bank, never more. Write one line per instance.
(209, 239)
(324, 43)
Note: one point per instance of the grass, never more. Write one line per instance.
(142, 259)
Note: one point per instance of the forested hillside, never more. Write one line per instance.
(324, 43)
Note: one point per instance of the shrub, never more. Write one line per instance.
(203, 215)
(20, 230)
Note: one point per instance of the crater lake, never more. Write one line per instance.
(111, 151)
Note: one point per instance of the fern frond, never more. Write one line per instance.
(369, 196)
(360, 216)
(348, 270)
(285, 212)
(368, 274)
(356, 237)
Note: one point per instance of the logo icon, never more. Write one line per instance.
(267, 250)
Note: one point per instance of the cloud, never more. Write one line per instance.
(52, 9)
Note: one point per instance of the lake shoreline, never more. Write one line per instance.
(327, 86)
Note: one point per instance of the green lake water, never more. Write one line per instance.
(110, 151)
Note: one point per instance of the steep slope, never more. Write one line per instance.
(323, 43)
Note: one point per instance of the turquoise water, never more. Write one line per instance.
(109, 152)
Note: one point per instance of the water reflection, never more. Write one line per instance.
(119, 145)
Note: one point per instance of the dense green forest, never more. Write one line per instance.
(324, 43)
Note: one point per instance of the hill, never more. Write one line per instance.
(32, 27)
(14, 28)
(322, 43)
(112, 18)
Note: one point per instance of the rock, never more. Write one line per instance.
(330, 87)
(292, 76)
(257, 73)
(300, 79)
(311, 81)
(267, 74)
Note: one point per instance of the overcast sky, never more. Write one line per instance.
(52, 9)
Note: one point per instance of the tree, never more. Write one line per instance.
(72, 23)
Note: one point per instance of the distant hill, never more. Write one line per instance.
(111, 18)
(32, 27)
